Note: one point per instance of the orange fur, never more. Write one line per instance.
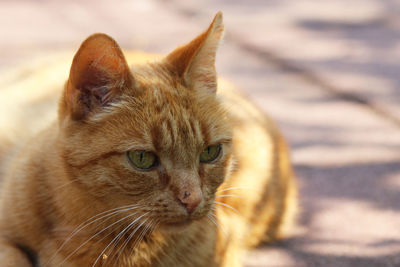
(76, 168)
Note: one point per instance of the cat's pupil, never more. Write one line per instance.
(210, 153)
(143, 160)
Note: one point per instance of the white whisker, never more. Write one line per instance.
(88, 222)
(230, 195)
(143, 233)
(122, 232)
(234, 188)
(114, 240)
(72, 253)
(217, 224)
(119, 238)
(122, 247)
(227, 206)
(128, 239)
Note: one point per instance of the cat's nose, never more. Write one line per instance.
(190, 199)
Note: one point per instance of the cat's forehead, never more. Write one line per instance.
(170, 118)
(162, 93)
(173, 118)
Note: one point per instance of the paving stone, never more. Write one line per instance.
(353, 47)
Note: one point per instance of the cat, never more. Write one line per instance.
(153, 165)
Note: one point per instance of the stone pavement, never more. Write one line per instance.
(327, 71)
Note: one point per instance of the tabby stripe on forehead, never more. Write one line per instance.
(163, 134)
(176, 133)
(170, 129)
(156, 135)
(185, 129)
(205, 133)
(193, 128)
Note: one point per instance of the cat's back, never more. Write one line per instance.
(28, 102)
(261, 187)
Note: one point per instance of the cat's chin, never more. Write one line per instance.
(176, 226)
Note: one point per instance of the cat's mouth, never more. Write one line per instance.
(178, 225)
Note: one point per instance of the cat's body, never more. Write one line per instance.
(76, 172)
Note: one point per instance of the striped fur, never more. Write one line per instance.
(76, 168)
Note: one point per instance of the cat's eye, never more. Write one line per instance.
(143, 160)
(210, 154)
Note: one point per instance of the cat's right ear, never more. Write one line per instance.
(98, 74)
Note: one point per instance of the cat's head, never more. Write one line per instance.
(155, 135)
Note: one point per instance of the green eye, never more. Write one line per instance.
(143, 160)
(210, 153)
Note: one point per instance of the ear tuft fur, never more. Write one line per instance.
(194, 62)
(98, 73)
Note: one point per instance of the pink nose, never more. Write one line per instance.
(190, 200)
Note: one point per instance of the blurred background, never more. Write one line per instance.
(327, 71)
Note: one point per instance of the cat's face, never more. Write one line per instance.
(155, 136)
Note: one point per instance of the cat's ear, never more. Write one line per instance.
(194, 62)
(98, 74)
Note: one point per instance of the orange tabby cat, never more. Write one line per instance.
(148, 166)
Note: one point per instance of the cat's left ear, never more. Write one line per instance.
(98, 74)
(194, 62)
